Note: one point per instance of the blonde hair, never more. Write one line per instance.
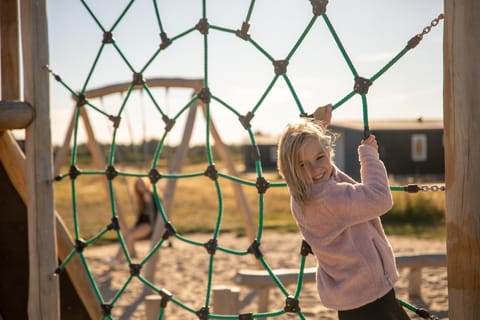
(290, 146)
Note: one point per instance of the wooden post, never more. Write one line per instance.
(263, 300)
(462, 156)
(43, 300)
(175, 166)
(415, 283)
(152, 306)
(9, 46)
(226, 300)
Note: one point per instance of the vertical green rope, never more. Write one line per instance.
(250, 10)
(366, 131)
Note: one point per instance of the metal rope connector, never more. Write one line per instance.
(319, 7)
(425, 314)
(243, 32)
(414, 188)
(415, 40)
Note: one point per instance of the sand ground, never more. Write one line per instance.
(182, 269)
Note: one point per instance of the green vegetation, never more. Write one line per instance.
(420, 215)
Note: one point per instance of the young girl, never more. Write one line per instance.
(339, 218)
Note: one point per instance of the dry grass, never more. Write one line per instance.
(196, 205)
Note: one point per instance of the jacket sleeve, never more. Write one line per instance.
(356, 203)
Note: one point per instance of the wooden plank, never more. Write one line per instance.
(76, 270)
(9, 51)
(43, 300)
(195, 84)
(13, 160)
(462, 154)
(433, 260)
(262, 279)
(15, 115)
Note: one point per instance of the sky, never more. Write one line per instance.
(372, 32)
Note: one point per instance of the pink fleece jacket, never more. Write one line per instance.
(340, 221)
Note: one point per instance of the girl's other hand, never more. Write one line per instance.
(370, 141)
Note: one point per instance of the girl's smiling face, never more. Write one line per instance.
(315, 161)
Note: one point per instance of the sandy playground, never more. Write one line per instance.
(182, 269)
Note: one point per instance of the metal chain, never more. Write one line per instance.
(432, 24)
(414, 188)
(432, 188)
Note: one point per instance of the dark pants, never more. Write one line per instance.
(384, 308)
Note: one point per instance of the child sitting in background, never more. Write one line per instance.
(146, 217)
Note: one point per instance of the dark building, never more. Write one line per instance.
(267, 147)
(409, 148)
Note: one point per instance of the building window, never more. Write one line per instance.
(419, 147)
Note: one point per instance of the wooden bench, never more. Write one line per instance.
(261, 280)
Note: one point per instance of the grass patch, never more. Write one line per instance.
(197, 203)
(417, 231)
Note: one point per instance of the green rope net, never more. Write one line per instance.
(154, 174)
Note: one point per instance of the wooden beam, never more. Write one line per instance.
(43, 299)
(15, 115)
(76, 270)
(13, 160)
(63, 151)
(9, 51)
(173, 166)
(195, 84)
(262, 279)
(462, 155)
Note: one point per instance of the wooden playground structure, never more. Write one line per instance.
(25, 104)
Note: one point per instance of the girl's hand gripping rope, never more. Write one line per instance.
(370, 141)
(324, 114)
